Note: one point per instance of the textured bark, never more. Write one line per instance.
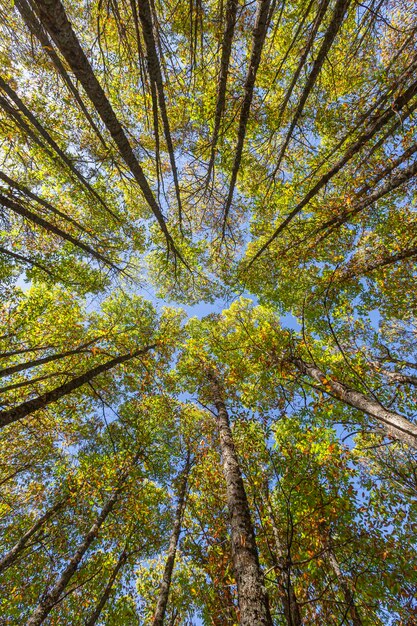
(52, 143)
(337, 20)
(21, 210)
(258, 40)
(32, 22)
(374, 127)
(91, 621)
(287, 592)
(52, 596)
(54, 19)
(252, 598)
(162, 601)
(30, 406)
(10, 557)
(395, 424)
(231, 12)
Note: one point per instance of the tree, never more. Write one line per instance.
(254, 464)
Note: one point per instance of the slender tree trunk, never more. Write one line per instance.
(52, 143)
(258, 40)
(155, 75)
(289, 598)
(20, 367)
(10, 557)
(231, 13)
(382, 120)
(55, 20)
(30, 406)
(162, 602)
(252, 598)
(31, 21)
(337, 20)
(345, 588)
(52, 596)
(108, 590)
(24, 212)
(395, 424)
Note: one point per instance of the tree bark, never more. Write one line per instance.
(337, 20)
(155, 75)
(10, 557)
(162, 601)
(31, 21)
(258, 40)
(395, 424)
(26, 408)
(231, 13)
(252, 597)
(52, 143)
(399, 103)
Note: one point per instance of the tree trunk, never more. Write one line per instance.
(26, 408)
(24, 212)
(162, 602)
(31, 21)
(52, 596)
(20, 367)
(10, 557)
(289, 599)
(395, 424)
(252, 598)
(52, 144)
(55, 20)
(107, 591)
(345, 588)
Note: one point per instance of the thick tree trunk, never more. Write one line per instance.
(395, 424)
(10, 557)
(162, 602)
(252, 598)
(52, 596)
(26, 408)
(287, 592)
(108, 590)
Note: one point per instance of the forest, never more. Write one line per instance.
(208, 333)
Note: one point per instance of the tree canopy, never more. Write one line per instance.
(208, 324)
